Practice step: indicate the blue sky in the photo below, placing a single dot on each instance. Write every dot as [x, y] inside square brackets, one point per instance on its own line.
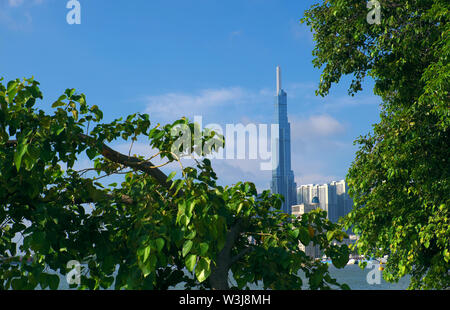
[179, 58]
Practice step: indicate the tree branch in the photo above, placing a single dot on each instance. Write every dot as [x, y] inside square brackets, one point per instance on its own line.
[132, 162]
[125, 199]
[219, 274]
[231, 239]
[114, 156]
[237, 257]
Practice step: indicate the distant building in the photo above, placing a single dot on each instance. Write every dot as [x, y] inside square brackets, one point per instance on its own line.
[333, 198]
[310, 249]
[282, 175]
[298, 210]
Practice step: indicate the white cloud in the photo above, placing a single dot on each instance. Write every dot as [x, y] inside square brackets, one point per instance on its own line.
[316, 126]
[182, 103]
[172, 106]
[14, 3]
[16, 14]
[236, 33]
[216, 102]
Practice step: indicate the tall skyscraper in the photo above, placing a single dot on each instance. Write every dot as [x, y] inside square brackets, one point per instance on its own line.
[282, 175]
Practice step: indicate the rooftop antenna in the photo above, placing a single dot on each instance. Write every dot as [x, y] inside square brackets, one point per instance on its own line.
[278, 79]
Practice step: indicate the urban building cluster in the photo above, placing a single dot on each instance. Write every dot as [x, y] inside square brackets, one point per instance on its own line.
[331, 197]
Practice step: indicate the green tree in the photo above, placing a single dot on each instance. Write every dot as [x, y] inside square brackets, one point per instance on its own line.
[400, 178]
[152, 231]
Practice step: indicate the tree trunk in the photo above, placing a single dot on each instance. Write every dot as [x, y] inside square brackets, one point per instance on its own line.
[218, 280]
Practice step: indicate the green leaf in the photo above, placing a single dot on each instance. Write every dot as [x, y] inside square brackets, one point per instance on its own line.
[339, 255]
[171, 176]
[239, 208]
[190, 209]
[58, 132]
[315, 279]
[53, 281]
[203, 269]
[58, 103]
[294, 233]
[43, 281]
[159, 244]
[153, 260]
[184, 220]
[11, 86]
[203, 248]
[146, 269]
[187, 247]
[190, 261]
[75, 114]
[146, 254]
[330, 235]
[12, 90]
[21, 150]
[19, 284]
[29, 160]
[305, 238]
[91, 153]
[69, 92]
[191, 235]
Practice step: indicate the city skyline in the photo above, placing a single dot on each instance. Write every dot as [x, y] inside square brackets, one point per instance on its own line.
[240, 145]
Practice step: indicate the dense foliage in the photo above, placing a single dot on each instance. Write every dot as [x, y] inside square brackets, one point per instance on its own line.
[400, 178]
[150, 232]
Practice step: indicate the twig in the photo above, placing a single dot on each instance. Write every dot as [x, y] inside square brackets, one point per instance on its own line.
[129, 151]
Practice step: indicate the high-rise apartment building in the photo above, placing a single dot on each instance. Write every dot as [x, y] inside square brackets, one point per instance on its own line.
[333, 198]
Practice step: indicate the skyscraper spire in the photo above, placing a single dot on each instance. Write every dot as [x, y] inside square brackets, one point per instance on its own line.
[278, 79]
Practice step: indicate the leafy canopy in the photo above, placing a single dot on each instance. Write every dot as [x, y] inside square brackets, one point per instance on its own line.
[400, 178]
[152, 231]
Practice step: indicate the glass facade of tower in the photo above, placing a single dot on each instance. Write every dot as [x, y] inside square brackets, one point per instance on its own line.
[282, 176]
